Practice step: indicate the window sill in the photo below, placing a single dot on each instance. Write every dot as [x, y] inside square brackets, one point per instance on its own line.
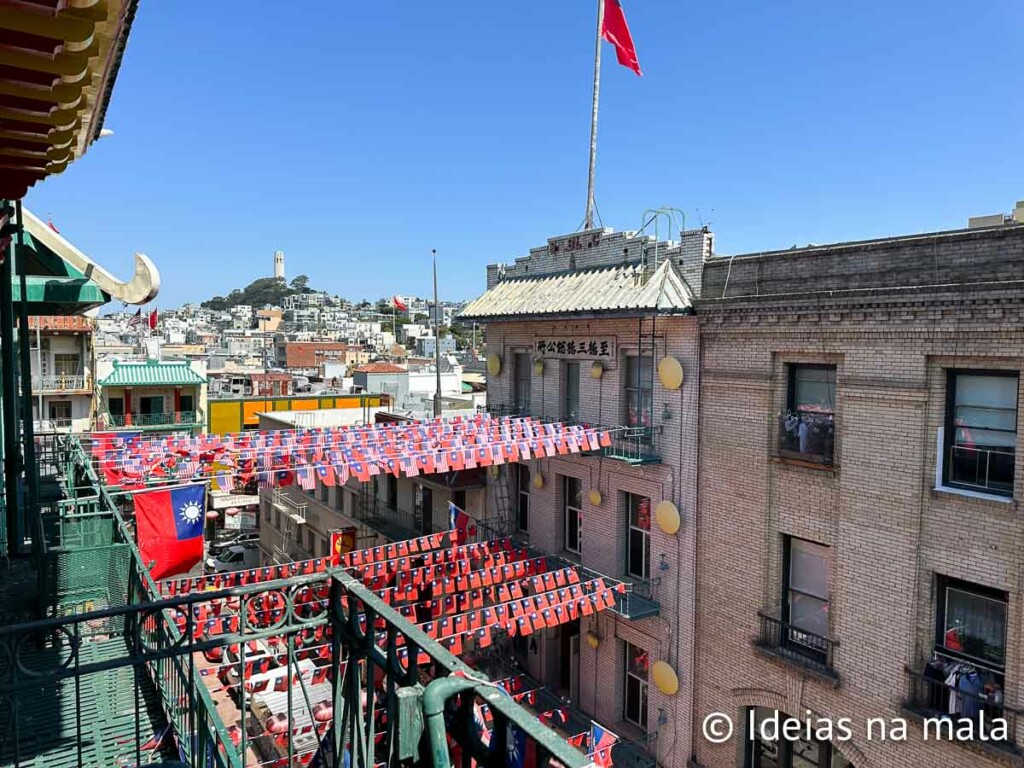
[813, 465]
[952, 491]
[575, 557]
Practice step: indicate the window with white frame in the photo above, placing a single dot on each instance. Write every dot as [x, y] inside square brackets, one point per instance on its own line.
[572, 513]
[638, 544]
[634, 703]
[981, 431]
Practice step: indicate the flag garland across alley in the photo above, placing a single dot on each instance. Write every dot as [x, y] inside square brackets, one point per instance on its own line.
[460, 593]
[332, 455]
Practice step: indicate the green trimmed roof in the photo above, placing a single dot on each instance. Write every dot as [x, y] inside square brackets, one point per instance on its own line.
[152, 373]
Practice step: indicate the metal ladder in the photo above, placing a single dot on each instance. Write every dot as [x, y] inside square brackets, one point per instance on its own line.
[502, 519]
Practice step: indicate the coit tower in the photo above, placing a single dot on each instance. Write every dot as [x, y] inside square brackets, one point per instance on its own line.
[279, 265]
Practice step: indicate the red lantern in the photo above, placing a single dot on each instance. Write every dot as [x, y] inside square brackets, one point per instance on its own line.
[277, 723]
[231, 511]
[323, 712]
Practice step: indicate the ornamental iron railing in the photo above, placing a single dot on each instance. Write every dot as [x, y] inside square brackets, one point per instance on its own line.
[123, 671]
[798, 645]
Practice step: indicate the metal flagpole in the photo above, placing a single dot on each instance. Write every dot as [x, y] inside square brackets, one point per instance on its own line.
[588, 221]
[437, 341]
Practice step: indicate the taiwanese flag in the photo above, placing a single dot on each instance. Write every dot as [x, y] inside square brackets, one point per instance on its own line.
[601, 742]
[169, 528]
[326, 474]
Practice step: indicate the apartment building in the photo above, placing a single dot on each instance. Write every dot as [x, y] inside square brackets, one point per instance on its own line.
[152, 395]
[61, 355]
[597, 327]
[296, 521]
[859, 538]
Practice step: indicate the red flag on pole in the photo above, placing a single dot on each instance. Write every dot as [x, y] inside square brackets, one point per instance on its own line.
[615, 30]
[169, 528]
[152, 320]
[399, 304]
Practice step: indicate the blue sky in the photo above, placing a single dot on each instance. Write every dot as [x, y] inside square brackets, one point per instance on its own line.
[359, 136]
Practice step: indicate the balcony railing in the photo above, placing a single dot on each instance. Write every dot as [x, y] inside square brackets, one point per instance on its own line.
[120, 661]
[60, 383]
[638, 601]
[52, 425]
[807, 436]
[989, 470]
[952, 713]
[790, 642]
[391, 522]
[176, 418]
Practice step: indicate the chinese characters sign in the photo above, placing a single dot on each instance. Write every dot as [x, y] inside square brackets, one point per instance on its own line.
[582, 347]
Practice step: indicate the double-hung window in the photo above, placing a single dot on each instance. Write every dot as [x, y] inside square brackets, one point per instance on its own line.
[634, 703]
[572, 513]
[971, 624]
[522, 497]
[571, 411]
[806, 598]
[981, 431]
[638, 546]
[639, 391]
[522, 371]
[807, 428]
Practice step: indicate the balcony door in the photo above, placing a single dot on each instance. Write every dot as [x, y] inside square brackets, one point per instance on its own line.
[152, 406]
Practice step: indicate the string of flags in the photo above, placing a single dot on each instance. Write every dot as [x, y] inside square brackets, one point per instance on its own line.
[454, 590]
[335, 454]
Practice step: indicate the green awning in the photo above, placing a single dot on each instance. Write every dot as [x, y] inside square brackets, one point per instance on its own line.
[152, 373]
[58, 295]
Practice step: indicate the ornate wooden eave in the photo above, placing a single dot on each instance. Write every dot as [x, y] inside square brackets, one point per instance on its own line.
[58, 63]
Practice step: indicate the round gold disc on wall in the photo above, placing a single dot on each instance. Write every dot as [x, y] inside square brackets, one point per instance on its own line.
[667, 515]
[670, 371]
[493, 365]
[665, 678]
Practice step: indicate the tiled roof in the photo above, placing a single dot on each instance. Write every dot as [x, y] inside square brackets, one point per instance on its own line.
[610, 289]
[380, 368]
[151, 373]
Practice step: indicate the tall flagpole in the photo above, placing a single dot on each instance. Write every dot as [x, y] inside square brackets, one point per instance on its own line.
[588, 221]
[437, 341]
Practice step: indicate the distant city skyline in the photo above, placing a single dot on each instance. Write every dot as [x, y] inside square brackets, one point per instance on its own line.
[465, 127]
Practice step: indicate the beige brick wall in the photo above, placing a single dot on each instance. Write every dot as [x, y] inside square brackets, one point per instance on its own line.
[890, 532]
[668, 636]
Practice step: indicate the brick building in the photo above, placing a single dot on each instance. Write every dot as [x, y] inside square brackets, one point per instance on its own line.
[310, 355]
[598, 328]
[859, 496]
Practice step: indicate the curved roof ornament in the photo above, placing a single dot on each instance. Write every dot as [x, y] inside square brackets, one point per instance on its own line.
[143, 286]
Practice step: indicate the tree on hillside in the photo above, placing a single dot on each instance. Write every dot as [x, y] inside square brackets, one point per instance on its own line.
[259, 293]
[300, 284]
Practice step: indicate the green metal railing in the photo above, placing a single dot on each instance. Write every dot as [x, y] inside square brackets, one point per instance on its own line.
[115, 662]
[175, 418]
